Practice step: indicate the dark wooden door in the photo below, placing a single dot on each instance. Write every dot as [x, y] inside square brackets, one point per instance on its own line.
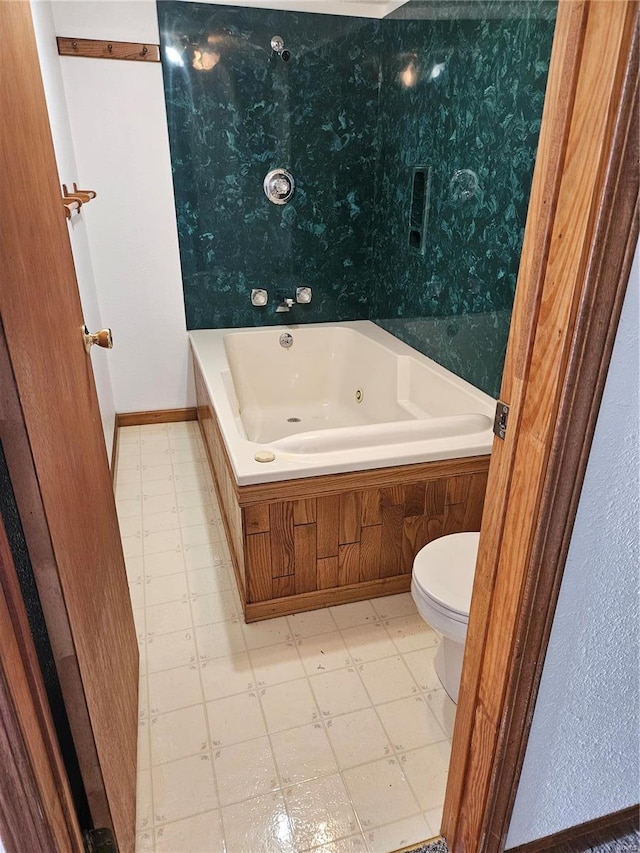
[85, 586]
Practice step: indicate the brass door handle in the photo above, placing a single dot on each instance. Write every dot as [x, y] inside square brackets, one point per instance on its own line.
[103, 338]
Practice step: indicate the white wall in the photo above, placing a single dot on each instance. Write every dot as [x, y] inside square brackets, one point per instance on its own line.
[68, 172]
[582, 760]
[119, 128]
[118, 124]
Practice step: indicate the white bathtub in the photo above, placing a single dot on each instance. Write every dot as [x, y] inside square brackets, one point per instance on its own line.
[343, 397]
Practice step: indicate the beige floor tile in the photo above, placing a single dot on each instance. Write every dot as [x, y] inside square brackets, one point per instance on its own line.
[311, 623]
[204, 556]
[162, 540]
[128, 435]
[303, 753]
[434, 819]
[197, 834]
[267, 633]
[155, 504]
[352, 844]
[358, 738]
[154, 522]
[169, 651]
[212, 579]
[214, 607]
[154, 455]
[390, 606]
[128, 508]
[151, 473]
[128, 491]
[164, 563]
[410, 723]
[145, 842]
[152, 488]
[261, 824]
[144, 801]
[350, 615]
[220, 639]
[276, 664]
[168, 617]
[132, 546]
[368, 642]
[226, 676]
[380, 792]
[245, 770]
[323, 653]
[129, 476]
[140, 623]
[196, 516]
[203, 534]
[160, 590]
[339, 692]
[183, 788]
[387, 679]
[178, 734]
[443, 709]
[235, 719]
[197, 498]
[288, 705]
[420, 665]
[136, 593]
[410, 633]
[143, 760]
[395, 836]
[426, 769]
[171, 689]
[131, 525]
[320, 811]
[191, 483]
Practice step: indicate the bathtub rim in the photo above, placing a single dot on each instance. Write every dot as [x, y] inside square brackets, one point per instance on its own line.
[209, 354]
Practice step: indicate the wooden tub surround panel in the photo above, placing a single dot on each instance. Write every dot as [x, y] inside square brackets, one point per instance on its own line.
[224, 481]
[301, 544]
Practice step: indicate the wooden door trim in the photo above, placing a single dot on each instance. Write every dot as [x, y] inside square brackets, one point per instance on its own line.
[36, 804]
[24, 480]
[581, 233]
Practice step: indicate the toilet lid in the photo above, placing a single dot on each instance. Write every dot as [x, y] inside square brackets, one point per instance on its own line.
[444, 569]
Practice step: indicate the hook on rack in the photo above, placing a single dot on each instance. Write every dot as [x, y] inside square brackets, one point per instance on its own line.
[73, 201]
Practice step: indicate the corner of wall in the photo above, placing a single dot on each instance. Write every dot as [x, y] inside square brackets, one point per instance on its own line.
[43, 22]
[582, 760]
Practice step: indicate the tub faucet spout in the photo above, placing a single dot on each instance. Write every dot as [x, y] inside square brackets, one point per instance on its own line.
[285, 304]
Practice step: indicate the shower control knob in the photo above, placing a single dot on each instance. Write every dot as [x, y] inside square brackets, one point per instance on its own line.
[303, 295]
[278, 186]
[259, 298]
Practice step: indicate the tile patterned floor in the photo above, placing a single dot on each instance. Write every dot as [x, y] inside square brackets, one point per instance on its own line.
[325, 731]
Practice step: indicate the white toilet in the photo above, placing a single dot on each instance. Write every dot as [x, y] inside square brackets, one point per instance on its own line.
[441, 585]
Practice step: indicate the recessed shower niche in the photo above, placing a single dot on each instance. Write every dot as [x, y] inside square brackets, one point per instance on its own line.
[411, 139]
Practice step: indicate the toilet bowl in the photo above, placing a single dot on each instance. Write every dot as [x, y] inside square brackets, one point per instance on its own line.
[441, 585]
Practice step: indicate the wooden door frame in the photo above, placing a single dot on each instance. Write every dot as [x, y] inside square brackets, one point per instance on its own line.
[582, 229]
[571, 285]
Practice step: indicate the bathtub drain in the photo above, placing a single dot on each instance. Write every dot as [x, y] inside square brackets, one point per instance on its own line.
[293, 420]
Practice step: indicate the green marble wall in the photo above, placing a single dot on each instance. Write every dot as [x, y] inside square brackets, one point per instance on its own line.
[464, 97]
[351, 115]
[316, 116]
